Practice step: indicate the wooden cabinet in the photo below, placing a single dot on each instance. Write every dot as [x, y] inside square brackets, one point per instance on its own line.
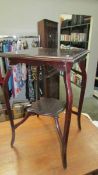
[48, 32]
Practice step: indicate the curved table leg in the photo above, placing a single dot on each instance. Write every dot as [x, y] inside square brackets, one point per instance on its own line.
[58, 127]
[22, 121]
[69, 100]
[10, 113]
[83, 86]
[6, 95]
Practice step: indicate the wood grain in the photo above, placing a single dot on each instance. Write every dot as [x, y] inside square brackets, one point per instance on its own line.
[37, 149]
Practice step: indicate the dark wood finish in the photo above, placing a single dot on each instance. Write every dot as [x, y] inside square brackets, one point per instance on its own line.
[7, 98]
[52, 86]
[83, 84]
[46, 106]
[62, 60]
[48, 31]
[69, 101]
[47, 56]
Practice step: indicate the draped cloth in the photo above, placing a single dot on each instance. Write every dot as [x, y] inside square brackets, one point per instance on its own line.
[19, 78]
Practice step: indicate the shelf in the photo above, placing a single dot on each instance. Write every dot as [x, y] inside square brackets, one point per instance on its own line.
[81, 42]
[74, 37]
[74, 44]
[16, 42]
[74, 26]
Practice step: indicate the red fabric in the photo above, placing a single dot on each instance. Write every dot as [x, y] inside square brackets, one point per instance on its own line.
[1, 79]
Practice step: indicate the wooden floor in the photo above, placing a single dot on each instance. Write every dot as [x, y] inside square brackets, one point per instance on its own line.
[37, 150]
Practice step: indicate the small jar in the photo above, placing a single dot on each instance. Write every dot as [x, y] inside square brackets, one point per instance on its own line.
[18, 110]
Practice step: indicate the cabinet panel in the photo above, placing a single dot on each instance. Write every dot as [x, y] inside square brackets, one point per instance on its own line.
[52, 86]
[48, 31]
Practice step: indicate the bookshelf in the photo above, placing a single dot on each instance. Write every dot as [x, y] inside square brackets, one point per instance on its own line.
[74, 32]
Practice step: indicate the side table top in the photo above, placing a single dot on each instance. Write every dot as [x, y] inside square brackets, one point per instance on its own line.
[47, 55]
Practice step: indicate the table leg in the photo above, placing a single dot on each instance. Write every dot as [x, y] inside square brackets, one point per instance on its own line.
[58, 128]
[83, 86]
[7, 98]
[69, 100]
[9, 111]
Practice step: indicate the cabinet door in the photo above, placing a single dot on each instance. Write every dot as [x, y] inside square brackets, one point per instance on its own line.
[42, 33]
[51, 34]
[51, 37]
[48, 31]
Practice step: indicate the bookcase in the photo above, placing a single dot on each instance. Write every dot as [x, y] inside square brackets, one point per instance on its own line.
[74, 32]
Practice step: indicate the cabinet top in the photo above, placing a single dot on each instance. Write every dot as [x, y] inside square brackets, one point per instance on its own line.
[46, 55]
[47, 20]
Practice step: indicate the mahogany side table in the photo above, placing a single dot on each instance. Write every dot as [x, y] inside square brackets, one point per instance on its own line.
[62, 60]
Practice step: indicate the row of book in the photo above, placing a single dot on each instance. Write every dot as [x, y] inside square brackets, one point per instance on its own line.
[76, 20]
[75, 37]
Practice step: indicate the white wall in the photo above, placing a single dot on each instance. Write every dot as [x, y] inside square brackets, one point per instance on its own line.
[18, 16]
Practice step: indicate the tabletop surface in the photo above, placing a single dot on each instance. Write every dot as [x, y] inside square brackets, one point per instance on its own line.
[47, 54]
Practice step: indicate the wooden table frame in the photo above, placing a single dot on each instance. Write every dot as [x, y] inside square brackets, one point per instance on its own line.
[62, 60]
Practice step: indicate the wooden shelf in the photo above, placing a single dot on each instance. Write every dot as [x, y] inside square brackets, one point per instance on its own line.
[80, 42]
[75, 26]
